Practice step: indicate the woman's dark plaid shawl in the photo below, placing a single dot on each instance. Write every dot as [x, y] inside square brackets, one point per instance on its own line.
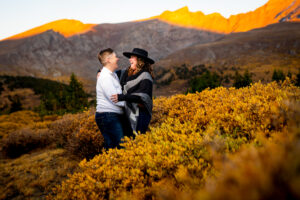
[132, 109]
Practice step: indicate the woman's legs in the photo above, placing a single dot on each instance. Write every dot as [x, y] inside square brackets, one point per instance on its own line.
[143, 121]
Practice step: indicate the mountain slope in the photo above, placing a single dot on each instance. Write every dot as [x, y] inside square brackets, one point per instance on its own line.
[59, 51]
[259, 50]
[272, 12]
[52, 54]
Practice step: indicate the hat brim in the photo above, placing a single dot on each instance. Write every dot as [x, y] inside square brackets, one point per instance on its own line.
[128, 54]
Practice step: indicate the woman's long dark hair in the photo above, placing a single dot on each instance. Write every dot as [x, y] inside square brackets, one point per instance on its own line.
[141, 65]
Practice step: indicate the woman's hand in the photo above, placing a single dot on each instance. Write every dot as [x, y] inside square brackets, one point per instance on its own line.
[114, 98]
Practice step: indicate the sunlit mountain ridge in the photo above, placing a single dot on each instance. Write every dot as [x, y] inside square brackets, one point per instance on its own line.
[66, 27]
[273, 11]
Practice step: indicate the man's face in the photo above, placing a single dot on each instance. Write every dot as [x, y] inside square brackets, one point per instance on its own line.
[113, 60]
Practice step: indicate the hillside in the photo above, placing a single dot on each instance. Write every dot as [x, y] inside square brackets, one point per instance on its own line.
[273, 11]
[57, 49]
[232, 143]
[260, 51]
[50, 54]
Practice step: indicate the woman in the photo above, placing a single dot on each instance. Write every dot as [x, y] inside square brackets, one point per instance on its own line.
[137, 85]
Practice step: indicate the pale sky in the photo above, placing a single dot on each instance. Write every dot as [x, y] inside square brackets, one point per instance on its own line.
[17, 16]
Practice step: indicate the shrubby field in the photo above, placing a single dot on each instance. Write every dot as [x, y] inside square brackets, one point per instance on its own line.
[217, 144]
[221, 143]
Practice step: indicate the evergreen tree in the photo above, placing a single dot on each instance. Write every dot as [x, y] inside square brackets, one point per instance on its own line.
[242, 81]
[247, 78]
[206, 80]
[77, 98]
[278, 75]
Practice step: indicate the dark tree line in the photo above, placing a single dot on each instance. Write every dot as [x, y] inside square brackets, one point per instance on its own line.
[213, 80]
[56, 98]
[67, 98]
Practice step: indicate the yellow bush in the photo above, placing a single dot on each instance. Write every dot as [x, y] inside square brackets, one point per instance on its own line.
[189, 132]
[16, 120]
[86, 140]
[63, 129]
[25, 140]
[21, 119]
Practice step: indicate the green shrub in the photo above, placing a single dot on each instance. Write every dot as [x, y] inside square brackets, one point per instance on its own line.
[242, 81]
[206, 80]
[278, 75]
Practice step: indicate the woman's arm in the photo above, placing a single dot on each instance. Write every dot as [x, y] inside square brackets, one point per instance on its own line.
[144, 87]
[130, 98]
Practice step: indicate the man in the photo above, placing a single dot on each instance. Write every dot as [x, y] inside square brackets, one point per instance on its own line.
[109, 114]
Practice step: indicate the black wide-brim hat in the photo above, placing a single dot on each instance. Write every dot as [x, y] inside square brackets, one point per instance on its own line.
[139, 53]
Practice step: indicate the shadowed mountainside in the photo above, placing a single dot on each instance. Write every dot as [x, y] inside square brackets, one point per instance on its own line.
[52, 54]
[260, 51]
[237, 49]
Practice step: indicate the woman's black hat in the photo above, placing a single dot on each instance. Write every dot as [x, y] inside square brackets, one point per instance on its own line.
[139, 53]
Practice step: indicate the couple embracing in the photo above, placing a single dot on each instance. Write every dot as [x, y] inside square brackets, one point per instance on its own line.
[124, 97]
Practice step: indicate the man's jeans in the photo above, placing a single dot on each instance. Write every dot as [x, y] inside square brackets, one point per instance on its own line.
[110, 125]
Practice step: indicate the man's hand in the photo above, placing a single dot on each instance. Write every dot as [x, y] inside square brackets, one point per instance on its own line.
[114, 98]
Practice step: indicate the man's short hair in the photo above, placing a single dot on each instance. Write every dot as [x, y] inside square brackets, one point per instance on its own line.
[102, 55]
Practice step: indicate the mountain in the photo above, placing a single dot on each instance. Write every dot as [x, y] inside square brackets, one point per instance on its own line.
[276, 46]
[273, 11]
[57, 49]
[245, 48]
[52, 54]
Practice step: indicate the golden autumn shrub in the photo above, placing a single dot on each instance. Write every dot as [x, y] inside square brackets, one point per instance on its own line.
[24, 140]
[17, 120]
[25, 131]
[24, 119]
[78, 133]
[189, 134]
[86, 140]
[62, 129]
[268, 172]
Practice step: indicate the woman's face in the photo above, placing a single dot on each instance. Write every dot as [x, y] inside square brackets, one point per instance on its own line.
[133, 62]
